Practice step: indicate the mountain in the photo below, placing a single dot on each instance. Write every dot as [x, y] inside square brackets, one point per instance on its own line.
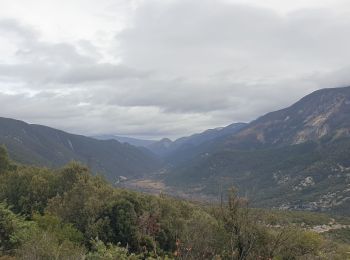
[294, 158]
[166, 148]
[297, 157]
[41, 145]
[322, 113]
[124, 139]
[161, 147]
[186, 145]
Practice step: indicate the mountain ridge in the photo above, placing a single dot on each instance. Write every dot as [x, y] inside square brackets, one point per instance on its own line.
[125, 139]
[166, 148]
[46, 146]
[294, 158]
[297, 157]
[318, 114]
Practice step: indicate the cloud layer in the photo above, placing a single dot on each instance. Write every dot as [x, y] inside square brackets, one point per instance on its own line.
[170, 68]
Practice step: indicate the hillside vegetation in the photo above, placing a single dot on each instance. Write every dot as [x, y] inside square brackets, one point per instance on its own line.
[69, 214]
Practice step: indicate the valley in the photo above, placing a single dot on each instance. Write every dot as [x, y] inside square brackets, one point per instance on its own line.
[283, 180]
[174, 130]
[293, 159]
[267, 160]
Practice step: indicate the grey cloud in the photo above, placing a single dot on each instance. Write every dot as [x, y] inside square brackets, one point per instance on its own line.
[185, 66]
[72, 113]
[237, 61]
[43, 63]
[12, 26]
[45, 73]
[32, 49]
[100, 72]
[170, 96]
[201, 36]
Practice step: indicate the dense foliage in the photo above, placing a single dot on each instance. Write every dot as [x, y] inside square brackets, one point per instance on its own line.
[70, 214]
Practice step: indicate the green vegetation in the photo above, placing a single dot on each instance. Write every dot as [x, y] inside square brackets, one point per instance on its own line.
[273, 177]
[341, 235]
[70, 214]
[4, 161]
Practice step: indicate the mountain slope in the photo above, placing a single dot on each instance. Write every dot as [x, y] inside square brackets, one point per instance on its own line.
[189, 145]
[123, 139]
[298, 157]
[41, 145]
[322, 113]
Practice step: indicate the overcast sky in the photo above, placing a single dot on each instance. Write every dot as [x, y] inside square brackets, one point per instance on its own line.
[166, 68]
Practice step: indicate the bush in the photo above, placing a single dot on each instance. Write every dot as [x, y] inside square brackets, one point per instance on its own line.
[14, 230]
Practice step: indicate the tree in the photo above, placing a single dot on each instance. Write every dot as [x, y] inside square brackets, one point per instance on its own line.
[241, 227]
[71, 174]
[52, 239]
[109, 252]
[45, 245]
[202, 238]
[4, 159]
[122, 224]
[13, 230]
[82, 204]
[27, 189]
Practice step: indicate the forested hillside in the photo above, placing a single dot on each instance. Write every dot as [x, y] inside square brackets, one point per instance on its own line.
[69, 214]
[45, 146]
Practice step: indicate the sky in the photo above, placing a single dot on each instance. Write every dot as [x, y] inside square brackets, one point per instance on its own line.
[166, 68]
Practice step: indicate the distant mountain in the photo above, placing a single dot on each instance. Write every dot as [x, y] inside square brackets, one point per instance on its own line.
[166, 148]
[125, 139]
[208, 135]
[186, 145]
[41, 145]
[161, 147]
[298, 157]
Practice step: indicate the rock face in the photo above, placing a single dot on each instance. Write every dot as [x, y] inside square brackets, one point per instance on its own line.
[297, 157]
[322, 113]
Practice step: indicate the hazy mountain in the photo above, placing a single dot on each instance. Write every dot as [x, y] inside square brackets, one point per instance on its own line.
[41, 145]
[189, 144]
[167, 148]
[161, 147]
[125, 139]
[210, 134]
[298, 157]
